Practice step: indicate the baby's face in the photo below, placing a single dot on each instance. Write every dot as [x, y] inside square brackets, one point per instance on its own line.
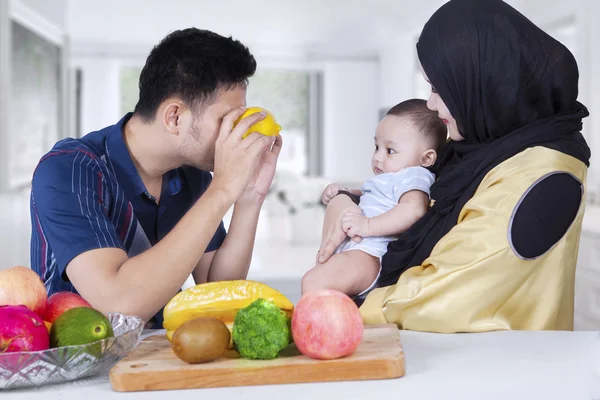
[398, 145]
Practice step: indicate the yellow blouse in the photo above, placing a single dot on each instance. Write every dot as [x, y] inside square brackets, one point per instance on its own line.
[473, 281]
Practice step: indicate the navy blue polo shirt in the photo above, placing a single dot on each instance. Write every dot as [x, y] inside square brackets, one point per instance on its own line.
[87, 194]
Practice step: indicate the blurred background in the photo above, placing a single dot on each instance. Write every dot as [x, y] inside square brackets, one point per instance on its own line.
[327, 69]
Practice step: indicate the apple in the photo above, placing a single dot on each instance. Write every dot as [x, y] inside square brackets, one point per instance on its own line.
[22, 286]
[326, 325]
[60, 302]
[22, 330]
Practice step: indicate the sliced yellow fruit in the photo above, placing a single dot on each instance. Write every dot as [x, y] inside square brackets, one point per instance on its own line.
[221, 300]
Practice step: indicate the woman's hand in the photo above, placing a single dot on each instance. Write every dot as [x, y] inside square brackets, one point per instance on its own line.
[355, 224]
[330, 192]
[333, 235]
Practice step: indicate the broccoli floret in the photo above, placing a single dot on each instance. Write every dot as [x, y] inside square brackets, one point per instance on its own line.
[261, 330]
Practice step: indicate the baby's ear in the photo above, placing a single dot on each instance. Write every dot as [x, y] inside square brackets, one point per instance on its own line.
[428, 158]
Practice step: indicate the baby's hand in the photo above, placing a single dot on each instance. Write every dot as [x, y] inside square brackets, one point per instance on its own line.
[330, 192]
[355, 225]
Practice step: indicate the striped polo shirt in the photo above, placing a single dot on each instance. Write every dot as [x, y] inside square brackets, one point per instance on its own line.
[87, 194]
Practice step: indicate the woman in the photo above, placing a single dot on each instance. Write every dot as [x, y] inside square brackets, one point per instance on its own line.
[498, 248]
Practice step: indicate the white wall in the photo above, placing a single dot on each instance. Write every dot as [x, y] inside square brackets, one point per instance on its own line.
[312, 26]
[397, 62]
[54, 11]
[351, 98]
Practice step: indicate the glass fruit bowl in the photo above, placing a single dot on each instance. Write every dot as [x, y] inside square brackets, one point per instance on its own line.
[64, 364]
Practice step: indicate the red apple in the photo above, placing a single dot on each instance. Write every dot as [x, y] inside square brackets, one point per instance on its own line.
[326, 325]
[22, 330]
[60, 302]
[22, 286]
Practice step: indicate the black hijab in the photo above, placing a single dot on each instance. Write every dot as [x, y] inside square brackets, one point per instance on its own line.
[509, 86]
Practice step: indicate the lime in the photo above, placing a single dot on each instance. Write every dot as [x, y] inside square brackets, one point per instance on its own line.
[80, 325]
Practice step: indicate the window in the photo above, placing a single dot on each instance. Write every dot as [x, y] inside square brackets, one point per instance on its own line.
[285, 93]
[128, 87]
[36, 85]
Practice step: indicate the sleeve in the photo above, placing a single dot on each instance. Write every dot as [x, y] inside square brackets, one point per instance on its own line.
[475, 280]
[541, 217]
[70, 208]
[354, 197]
[217, 239]
[413, 178]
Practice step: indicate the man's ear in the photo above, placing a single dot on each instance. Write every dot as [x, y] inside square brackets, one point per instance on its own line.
[428, 158]
[171, 116]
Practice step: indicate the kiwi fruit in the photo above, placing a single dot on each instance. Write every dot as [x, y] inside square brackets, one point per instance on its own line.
[200, 340]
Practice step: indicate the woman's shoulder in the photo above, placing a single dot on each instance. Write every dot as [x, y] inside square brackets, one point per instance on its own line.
[533, 164]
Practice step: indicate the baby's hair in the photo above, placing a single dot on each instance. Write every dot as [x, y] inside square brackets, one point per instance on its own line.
[426, 121]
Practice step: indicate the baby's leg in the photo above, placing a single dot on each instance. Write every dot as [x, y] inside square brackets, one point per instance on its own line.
[350, 272]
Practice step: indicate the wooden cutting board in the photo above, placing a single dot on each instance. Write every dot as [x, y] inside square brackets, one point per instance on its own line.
[153, 366]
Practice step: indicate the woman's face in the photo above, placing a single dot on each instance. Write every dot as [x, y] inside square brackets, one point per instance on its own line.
[435, 103]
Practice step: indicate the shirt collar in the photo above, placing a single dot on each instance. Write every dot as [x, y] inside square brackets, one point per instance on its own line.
[125, 171]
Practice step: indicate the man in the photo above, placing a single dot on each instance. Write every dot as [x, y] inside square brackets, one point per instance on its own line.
[124, 215]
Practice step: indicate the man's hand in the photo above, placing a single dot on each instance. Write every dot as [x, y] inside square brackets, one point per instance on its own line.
[261, 182]
[238, 161]
[355, 224]
[330, 192]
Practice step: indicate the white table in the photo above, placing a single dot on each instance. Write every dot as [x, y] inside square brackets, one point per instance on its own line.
[496, 365]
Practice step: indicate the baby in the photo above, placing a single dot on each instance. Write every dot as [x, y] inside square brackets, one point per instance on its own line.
[407, 140]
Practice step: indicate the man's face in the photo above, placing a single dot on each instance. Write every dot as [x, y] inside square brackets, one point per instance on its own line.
[198, 140]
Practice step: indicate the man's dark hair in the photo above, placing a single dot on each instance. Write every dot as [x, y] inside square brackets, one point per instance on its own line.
[192, 64]
[426, 121]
